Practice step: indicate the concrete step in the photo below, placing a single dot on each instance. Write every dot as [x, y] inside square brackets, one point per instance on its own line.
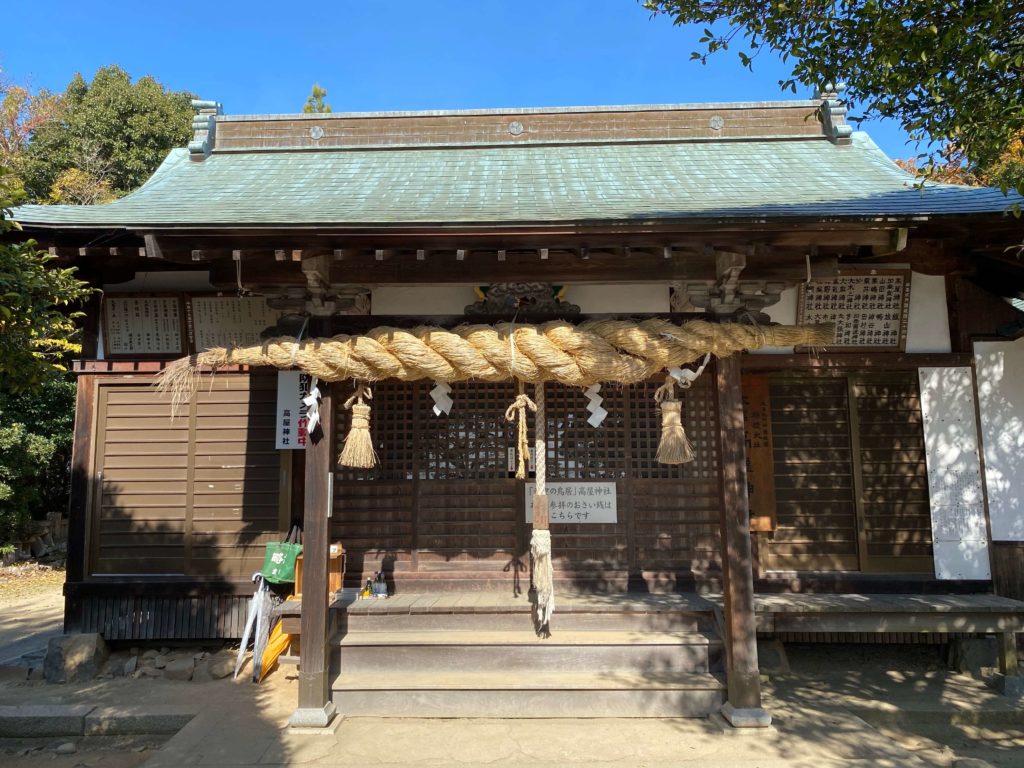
[513, 650]
[524, 694]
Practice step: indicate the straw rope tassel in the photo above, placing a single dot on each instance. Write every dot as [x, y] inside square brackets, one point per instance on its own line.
[674, 447]
[517, 410]
[540, 539]
[358, 451]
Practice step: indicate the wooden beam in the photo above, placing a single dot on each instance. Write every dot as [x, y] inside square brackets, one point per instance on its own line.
[315, 708]
[742, 676]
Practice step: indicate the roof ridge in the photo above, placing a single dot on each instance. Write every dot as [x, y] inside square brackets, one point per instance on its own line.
[583, 109]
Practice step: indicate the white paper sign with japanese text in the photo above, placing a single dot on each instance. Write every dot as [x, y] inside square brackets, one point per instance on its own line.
[292, 431]
[582, 502]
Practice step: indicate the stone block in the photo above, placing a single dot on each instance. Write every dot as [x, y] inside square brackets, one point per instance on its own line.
[1011, 686]
[13, 674]
[972, 655]
[165, 719]
[746, 718]
[71, 658]
[771, 657]
[180, 669]
[28, 721]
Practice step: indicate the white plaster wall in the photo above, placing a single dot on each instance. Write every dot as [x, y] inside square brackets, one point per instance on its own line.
[158, 282]
[783, 312]
[421, 299]
[928, 327]
[619, 298]
[1000, 372]
[453, 299]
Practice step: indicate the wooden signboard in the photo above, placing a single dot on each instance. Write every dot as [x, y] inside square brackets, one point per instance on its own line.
[870, 307]
[757, 426]
[143, 326]
[223, 321]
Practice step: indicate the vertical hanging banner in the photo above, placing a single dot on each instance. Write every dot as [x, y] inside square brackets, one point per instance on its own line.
[959, 532]
[293, 396]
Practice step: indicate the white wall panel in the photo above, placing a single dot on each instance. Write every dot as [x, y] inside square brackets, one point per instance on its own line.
[959, 532]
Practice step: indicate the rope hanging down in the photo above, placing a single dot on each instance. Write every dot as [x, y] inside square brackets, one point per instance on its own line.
[621, 351]
[517, 410]
[540, 538]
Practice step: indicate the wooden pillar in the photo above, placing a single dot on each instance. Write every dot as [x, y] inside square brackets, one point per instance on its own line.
[79, 508]
[743, 708]
[315, 709]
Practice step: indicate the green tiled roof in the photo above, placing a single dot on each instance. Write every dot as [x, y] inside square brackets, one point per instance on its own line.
[602, 182]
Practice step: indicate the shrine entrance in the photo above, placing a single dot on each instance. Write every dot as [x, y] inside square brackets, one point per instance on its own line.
[844, 473]
[442, 510]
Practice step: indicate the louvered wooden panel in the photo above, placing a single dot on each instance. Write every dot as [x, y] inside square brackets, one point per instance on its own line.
[197, 495]
[135, 617]
[140, 508]
[894, 482]
[816, 515]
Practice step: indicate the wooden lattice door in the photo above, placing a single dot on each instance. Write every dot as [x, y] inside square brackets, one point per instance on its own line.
[443, 509]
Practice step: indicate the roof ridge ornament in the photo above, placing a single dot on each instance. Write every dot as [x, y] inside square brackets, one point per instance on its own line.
[832, 114]
[204, 125]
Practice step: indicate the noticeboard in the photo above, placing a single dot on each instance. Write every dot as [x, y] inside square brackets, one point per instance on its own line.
[870, 307]
[143, 326]
[224, 321]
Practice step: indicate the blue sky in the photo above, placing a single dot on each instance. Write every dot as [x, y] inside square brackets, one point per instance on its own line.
[261, 57]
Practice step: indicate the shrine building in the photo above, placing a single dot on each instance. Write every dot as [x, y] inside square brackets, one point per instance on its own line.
[509, 317]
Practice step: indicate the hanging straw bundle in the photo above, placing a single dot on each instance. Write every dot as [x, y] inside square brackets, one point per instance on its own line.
[674, 447]
[358, 451]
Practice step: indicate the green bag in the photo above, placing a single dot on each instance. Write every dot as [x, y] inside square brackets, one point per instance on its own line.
[279, 559]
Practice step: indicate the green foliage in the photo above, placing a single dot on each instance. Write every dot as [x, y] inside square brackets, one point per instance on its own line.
[23, 459]
[949, 72]
[315, 104]
[37, 322]
[35, 453]
[111, 130]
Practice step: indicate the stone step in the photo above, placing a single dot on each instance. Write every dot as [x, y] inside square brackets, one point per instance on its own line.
[511, 694]
[513, 650]
[667, 621]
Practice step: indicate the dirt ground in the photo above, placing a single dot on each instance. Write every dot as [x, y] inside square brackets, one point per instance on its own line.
[876, 683]
[18, 582]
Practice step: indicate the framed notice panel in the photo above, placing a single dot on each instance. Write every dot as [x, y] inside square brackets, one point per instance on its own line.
[582, 502]
[870, 308]
[224, 321]
[143, 326]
